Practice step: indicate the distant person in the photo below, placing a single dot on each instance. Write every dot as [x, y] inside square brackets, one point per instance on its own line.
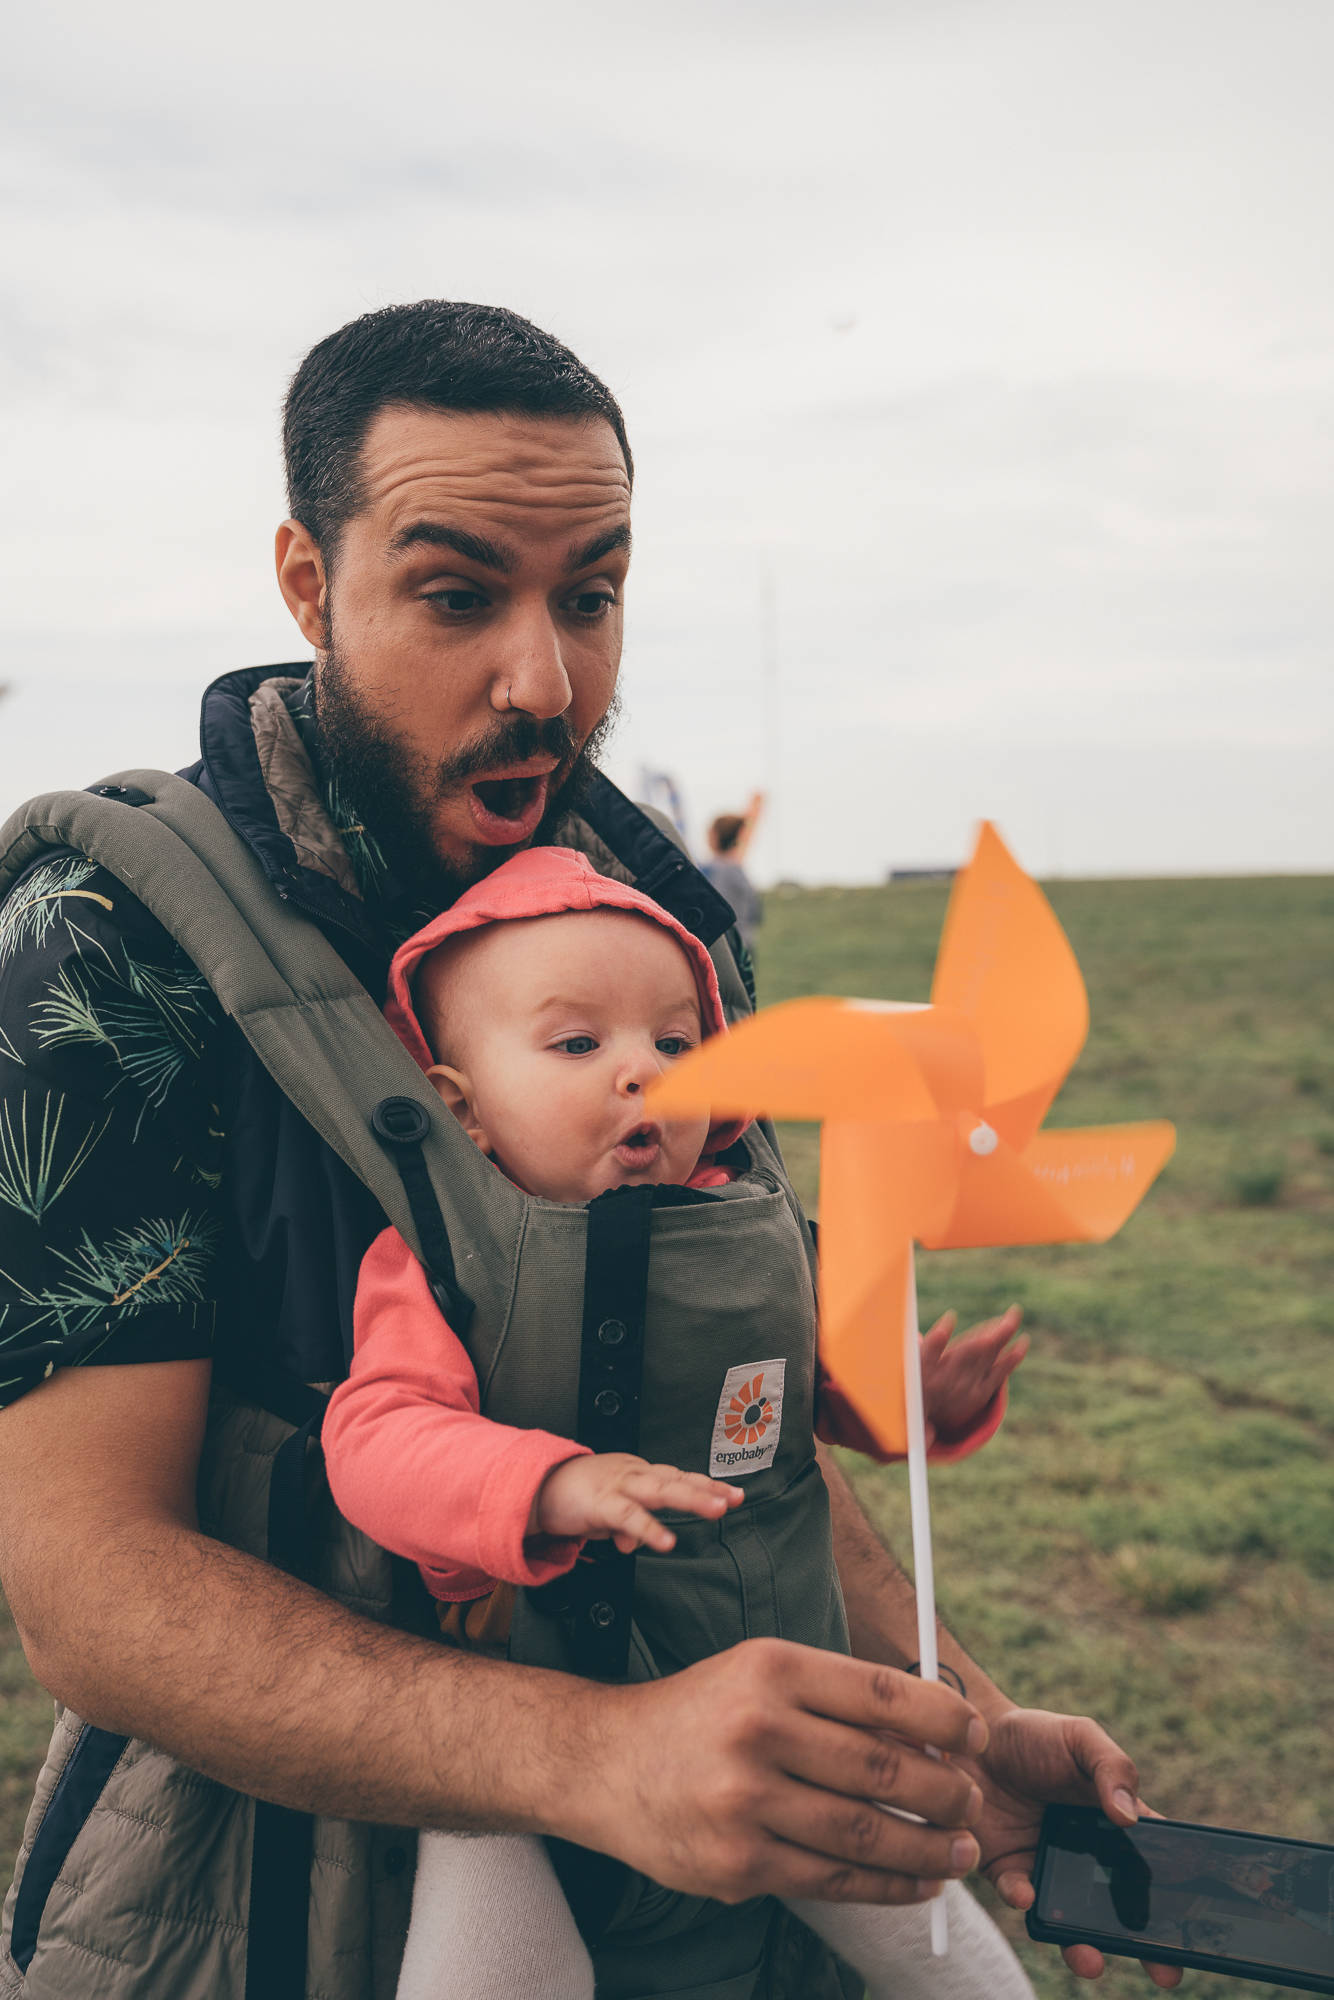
[729, 838]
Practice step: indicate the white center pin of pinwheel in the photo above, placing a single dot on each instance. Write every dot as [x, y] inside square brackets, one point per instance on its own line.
[982, 1140]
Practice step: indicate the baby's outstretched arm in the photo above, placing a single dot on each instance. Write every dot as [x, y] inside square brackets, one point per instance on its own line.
[612, 1493]
[960, 1377]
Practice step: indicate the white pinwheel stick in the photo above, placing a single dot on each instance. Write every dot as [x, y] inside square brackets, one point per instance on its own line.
[923, 1566]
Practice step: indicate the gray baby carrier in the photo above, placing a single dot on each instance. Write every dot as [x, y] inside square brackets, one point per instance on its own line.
[674, 1322]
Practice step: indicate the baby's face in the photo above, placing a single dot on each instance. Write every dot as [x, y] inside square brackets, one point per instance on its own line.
[556, 1027]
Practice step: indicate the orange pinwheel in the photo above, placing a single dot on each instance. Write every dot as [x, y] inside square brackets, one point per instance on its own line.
[930, 1121]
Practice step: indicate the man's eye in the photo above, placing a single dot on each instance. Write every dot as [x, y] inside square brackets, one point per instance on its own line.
[674, 1045]
[592, 604]
[459, 601]
[578, 1045]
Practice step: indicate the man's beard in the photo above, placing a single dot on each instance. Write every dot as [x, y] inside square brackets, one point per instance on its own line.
[395, 790]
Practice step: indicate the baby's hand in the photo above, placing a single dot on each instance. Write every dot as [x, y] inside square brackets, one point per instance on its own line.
[959, 1379]
[611, 1493]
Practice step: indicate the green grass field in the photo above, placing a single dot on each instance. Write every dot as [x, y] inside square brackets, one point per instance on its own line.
[1151, 1537]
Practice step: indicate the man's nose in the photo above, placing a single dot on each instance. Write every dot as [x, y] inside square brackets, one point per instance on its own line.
[531, 674]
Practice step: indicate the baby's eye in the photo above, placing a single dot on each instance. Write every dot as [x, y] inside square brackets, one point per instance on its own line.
[578, 1045]
[674, 1045]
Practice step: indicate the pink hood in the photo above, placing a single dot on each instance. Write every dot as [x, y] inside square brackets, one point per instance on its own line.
[544, 882]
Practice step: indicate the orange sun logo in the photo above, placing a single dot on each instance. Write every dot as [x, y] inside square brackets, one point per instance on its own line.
[749, 1414]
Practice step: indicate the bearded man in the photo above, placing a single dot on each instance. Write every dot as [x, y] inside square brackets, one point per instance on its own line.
[238, 1751]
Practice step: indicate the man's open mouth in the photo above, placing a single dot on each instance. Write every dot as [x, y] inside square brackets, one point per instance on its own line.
[508, 807]
[507, 798]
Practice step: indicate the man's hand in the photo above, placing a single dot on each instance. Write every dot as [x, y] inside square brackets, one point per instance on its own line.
[960, 1377]
[1036, 1758]
[760, 1771]
[612, 1492]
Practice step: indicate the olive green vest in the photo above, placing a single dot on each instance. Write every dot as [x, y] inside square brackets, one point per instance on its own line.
[155, 1883]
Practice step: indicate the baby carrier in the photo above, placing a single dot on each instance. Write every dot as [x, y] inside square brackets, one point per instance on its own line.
[667, 1300]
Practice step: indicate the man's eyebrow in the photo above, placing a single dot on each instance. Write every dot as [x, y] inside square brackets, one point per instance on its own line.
[473, 548]
[583, 554]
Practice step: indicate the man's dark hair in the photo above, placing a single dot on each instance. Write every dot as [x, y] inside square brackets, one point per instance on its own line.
[435, 355]
[726, 831]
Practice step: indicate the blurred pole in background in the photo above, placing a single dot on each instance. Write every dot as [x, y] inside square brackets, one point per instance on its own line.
[660, 789]
[771, 699]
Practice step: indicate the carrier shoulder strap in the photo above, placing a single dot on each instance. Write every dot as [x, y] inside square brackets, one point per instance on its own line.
[309, 1019]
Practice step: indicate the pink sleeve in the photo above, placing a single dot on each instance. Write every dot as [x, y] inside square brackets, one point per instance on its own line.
[837, 1422]
[413, 1462]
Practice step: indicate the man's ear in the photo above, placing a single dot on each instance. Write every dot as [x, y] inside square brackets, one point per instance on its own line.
[302, 582]
[456, 1095]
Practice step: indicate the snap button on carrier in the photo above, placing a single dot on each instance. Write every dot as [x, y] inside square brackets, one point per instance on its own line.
[401, 1123]
[125, 795]
[400, 1120]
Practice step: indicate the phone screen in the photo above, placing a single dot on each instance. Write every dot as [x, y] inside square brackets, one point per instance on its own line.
[1192, 1888]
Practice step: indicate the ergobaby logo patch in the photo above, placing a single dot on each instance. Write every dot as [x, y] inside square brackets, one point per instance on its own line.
[749, 1419]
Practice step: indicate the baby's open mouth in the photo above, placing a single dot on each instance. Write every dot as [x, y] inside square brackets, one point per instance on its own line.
[640, 1147]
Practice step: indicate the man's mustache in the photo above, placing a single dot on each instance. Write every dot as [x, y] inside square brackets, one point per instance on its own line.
[512, 741]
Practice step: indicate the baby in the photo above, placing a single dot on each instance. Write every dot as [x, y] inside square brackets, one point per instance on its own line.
[541, 1006]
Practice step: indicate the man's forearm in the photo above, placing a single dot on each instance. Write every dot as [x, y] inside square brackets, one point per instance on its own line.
[881, 1602]
[272, 1688]
[144, 1625]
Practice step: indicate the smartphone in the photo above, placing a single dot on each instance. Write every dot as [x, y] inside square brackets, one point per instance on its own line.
[1206, 1896]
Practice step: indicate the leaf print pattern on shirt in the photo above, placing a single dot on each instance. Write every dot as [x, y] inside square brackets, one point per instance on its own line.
[109, 1072]
[41, 899]
[33, 1173]
[162, 1262]
[363, 849]
[151, 1020]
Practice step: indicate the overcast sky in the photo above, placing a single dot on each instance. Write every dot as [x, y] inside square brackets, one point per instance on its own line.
[978, 361]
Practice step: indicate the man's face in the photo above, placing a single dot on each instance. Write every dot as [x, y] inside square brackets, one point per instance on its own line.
[469, 636]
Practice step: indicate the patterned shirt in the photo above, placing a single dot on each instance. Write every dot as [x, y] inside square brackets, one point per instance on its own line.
[111, 1136]
[110, 1148]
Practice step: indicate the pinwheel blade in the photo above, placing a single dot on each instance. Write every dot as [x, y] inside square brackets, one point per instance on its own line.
[1066, 1187]
[1005, 962]
[865, 1248]
[818, 1058]
[1100, 1173]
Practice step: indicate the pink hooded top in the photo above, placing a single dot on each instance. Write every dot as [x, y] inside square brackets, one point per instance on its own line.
[410, 1458]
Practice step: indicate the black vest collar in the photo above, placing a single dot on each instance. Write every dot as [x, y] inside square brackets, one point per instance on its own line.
[230, 773]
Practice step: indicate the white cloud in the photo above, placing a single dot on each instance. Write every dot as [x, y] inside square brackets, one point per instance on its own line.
[999, 337]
